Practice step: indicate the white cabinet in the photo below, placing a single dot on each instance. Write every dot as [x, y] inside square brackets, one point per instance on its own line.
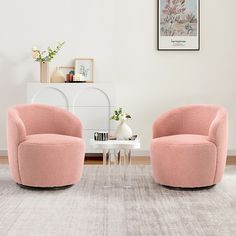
[92, 103]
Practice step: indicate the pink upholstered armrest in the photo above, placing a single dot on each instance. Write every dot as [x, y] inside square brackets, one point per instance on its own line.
[16, 128]
[16, 134]
[167, 124]
[218, 128]
[218, 134]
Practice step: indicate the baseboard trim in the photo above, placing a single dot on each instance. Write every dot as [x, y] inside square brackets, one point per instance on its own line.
[231, 152]
[3, 152]
[139, 152]
[144, 152]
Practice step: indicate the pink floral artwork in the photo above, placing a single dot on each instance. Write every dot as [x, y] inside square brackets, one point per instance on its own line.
[178, 18]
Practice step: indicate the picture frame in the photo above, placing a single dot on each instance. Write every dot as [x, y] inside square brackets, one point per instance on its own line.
[178, 25]
[66, 69]
[84, 69]
[68, 72]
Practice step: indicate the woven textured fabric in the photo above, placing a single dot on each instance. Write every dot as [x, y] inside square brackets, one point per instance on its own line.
[145, 209]
[45, 146]
[189, 146]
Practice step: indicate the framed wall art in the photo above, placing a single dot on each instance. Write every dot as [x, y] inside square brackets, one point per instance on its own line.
[178, 25]
[84, 69]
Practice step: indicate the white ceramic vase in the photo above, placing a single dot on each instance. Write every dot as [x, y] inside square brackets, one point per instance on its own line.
[123, 131]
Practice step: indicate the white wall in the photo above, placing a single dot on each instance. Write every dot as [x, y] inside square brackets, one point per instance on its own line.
[121, 36]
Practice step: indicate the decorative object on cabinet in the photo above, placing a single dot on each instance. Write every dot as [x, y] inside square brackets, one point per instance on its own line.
[93, 103]
[44, 57]
[123, 131]
[44, 72]
[68, 72]
[69, 78]
[84, 69]
[57, 76]
[178, 25]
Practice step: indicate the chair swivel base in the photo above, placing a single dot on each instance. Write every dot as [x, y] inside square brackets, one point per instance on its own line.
[188, 188]
[45, 188]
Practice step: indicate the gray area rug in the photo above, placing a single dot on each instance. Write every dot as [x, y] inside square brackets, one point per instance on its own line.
[144, 209]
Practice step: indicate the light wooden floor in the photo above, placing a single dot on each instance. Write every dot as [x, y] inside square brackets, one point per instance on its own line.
[135, 160]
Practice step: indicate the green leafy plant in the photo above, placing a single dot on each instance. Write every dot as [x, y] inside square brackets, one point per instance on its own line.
[119, 115]
[83, 71]
[46, 56]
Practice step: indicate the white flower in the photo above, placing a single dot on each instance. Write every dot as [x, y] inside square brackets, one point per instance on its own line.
[123, 117]
[34, 49]
[35, 54]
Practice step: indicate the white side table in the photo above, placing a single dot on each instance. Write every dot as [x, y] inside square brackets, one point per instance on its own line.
[117, 146]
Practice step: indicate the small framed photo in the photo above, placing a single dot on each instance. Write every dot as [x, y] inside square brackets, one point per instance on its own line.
[68, 73]
[67, 70]
[84, 69]
[178, 25]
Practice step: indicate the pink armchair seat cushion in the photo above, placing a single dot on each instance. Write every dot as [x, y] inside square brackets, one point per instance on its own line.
[45, 146]
[189, 146]
[184, 157]
[183, 139]
[58, 159]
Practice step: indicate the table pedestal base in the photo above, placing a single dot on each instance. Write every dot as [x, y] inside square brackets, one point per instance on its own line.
[110, 160]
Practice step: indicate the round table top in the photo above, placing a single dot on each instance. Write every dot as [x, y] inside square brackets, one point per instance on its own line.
[115, 144]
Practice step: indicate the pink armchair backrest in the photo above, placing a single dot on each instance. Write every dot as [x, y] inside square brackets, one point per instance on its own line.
[26, 120]
[43, 119]
[193, 119]
[208, 120]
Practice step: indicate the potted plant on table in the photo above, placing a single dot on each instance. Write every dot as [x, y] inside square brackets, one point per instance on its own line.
[123, 131]
[44, 57]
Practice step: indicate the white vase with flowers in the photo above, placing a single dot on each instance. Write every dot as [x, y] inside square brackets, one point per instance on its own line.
[123, 131]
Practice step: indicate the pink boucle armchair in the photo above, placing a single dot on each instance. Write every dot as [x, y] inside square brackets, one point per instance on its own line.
[45, 146]
[189, 146]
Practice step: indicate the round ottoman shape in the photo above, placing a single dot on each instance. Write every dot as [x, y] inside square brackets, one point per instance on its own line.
[50, 160]
[186, 161]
